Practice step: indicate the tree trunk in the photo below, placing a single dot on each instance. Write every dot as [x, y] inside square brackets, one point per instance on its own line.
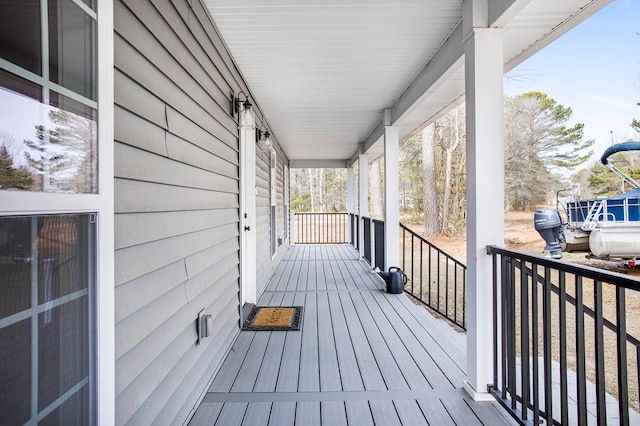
[377, 200]
[312, 195]
[321, 190]
[447, 181]
[431, 226]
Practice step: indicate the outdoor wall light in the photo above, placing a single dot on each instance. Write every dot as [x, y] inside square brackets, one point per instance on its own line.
[238, 102]
[265, 143]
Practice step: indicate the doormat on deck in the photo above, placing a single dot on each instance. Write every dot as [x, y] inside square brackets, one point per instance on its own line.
[274, 318]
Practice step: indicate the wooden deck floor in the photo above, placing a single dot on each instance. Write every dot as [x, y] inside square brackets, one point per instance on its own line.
[363, 357]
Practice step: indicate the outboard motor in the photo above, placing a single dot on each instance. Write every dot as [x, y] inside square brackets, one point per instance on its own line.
[549, 226]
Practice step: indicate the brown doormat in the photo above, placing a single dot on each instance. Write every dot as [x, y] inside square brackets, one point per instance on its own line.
[268, 318]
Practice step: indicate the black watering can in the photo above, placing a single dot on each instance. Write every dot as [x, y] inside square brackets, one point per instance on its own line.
[395, 279]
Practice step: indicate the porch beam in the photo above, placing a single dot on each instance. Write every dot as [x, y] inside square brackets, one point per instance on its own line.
[318, 164]
[363, 197]
[391, 194]
[485, 185]
[438, 69]
[450, 58]
[500, 13]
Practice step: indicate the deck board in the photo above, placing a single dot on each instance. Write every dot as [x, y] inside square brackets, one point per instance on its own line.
[349, 369]
[333, 413]
[256, 413]
[307, 413]
[363, 357]
[290, 364]
[328, 359]
[359, 413]
[309, 380]
[370, 373]
[435, 412]
[384, 413]
[282, 413]
[410, 413]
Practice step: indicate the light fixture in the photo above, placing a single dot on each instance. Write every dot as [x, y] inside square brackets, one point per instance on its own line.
[263, 137]
[237, 103]
[261, 131]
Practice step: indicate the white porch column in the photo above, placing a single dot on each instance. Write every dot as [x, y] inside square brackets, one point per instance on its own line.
[485, 186]
[351, 199]
[363, 197]
[391, 194]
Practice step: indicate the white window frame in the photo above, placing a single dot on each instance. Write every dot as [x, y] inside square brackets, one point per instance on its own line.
[273, 202]
[38, 203]
[285, 201]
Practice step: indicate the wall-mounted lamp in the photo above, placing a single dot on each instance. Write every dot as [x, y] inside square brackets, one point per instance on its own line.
[238, 103]
[265, 143]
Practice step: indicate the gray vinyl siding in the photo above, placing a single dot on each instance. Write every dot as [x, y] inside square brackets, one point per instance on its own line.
[177, 207]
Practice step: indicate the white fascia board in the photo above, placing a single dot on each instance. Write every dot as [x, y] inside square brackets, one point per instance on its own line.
[559, 30]
[447, 58]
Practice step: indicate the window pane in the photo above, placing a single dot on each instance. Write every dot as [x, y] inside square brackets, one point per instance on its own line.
[73, 412]
[72, 156]
[71, 48]
[56, 255]
[63, 356]
[13, 83]
[15, 373]
[46, 148]
[62, 254]
[15, 265]
[20, 34]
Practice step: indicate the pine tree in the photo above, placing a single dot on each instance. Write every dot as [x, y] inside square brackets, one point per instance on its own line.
[65, 154]
[13, 177]
[538, 143]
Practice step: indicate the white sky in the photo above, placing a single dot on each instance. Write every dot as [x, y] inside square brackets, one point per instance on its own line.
[595, 70]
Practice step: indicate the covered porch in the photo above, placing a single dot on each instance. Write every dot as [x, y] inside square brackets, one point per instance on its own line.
[362, 356]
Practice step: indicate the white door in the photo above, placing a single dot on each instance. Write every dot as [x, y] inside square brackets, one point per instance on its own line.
[247, 209]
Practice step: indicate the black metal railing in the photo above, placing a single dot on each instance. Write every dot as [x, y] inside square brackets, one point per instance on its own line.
[366, 241]
[378, 244]
[354, 230]
[563, 343]
[322, 228]
[435, 278]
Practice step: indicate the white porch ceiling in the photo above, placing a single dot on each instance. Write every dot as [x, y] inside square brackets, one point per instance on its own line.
[323, 71]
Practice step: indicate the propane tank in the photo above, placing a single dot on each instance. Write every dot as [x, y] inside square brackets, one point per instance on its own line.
[549, 226]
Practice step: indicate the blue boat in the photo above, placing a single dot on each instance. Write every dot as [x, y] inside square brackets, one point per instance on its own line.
[609, 228]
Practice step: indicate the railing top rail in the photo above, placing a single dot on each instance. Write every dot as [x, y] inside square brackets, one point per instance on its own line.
[583, 270]
[439, 250]
[327, 213]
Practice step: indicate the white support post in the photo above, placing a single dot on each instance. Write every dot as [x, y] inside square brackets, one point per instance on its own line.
[363, 196]
[391, 197]
[485, 187]
[351, 199]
